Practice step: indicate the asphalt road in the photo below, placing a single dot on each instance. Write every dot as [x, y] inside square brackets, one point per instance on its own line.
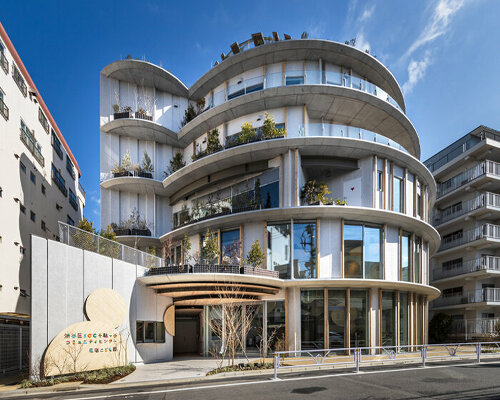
[461, 382]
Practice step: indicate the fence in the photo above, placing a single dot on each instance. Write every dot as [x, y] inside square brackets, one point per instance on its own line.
[212, 269]
[484, 263]
[14, 347]
[474, 328]
[76, 237]
[356, 357]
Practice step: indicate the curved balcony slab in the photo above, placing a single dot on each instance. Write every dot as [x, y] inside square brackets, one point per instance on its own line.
[197, 172]
[134, 184]
[345, 106]
[298, 50]
[141, 129]
[143, 73]
[139, 241]
[365, 214]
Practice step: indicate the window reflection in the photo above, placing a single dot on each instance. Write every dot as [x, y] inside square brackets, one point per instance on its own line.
[312, 319]
[359, 318]
[403, 319]
[388, 318]
[230, 247]
[278, 249]
[336, 318]
[398, 195]
[363, 253]
[405, 257]
[304, 250]
[353, 249]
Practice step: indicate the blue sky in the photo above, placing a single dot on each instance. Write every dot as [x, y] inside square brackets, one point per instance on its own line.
[444, 53]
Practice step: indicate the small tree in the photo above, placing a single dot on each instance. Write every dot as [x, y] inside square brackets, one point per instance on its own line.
[213, 143]
[440, 327]
[108, 233]
[189, 114]
[255, 256]
[247, 133]
[186, 249]
[316, 192]
[147, 165]
[269, 129]
[176, 163]
[125, 164]
[86, 225]
[210, 247]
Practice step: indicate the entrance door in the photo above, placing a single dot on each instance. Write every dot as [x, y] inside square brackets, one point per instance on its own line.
[187, 334]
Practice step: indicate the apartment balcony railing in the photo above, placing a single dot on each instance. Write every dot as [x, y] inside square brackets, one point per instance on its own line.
[483, 200]
[485, 231]
[490, 295]
[484, 167]
[484, 263]
[32, 145]
[80, 188]
[470, 328]
[4, 63]
[212, 269]
[18, 78]
[4, 110]
[73, 201]
[60, 183]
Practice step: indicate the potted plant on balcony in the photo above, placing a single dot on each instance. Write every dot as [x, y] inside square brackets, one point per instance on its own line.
[124, 112]
[255, 256]
[146, 169]
[269, 130]
[124, 168]
[339, 202]
[315, 193]
[213, 143]
[186, 249]
[119, 230]
[176, 164]
[189, 115]
[142, 114]
[247, 133]
[210, 248]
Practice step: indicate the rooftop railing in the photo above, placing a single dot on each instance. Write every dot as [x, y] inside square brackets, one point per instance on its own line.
[490, 295]
[484, 263]
[483, 200]
[485, 231]
[32, 145]
[484, 167]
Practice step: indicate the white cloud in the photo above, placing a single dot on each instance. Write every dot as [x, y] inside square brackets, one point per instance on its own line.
[438, 24]
[95, 199]
[367, 13]
[416, 71]
[362, 43]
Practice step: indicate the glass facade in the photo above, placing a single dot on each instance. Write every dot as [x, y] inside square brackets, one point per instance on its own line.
[312, 319]
[363, 252]
[405, 257]
[304, 250]
[275, 326]
[278, 249]
[419, 311]
[416, 262]
[230, 247]
[253, 340]
[398, 195]
[404, 320]
[358, 308]
[389, 319]
[336, 318]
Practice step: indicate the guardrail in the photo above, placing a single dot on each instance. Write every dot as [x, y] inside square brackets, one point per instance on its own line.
[212, 269]
[356, 357]
[484, 263]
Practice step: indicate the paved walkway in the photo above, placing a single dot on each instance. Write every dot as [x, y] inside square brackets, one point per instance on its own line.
[181, 367]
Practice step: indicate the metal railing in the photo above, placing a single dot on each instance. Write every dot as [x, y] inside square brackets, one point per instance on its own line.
[81, 239]
[484, 167]
[485, 231]
[4, 62]
[4, 110]
[18, 78]
[358, 356]
[474, 328]
[484, 263]
[483, 200]
[14, 347]
[212, 269]
[32, 145]
[80, 188]
[485, 295]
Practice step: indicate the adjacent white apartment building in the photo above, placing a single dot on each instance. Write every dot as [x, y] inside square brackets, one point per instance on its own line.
[247, 153]
[39, 186]
[467, 215]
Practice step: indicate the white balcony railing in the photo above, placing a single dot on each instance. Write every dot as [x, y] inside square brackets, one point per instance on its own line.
[483, 200]
[485, 231]
[469, 328]
[490, 295]
[484, 167]
[484, 263]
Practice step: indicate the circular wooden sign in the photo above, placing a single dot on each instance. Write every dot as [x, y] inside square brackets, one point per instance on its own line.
[106, 305]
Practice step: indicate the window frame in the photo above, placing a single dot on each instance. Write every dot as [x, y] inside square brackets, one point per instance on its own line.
[140, 328]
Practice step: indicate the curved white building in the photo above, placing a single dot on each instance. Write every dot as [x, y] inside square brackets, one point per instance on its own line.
[350, 274]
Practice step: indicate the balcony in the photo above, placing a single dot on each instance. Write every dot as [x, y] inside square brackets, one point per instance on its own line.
[483, 232]
[487, 295]
[4, 63]
[212, 269]
[70, 168]
[33, 146]
[482, 264]
[59, 181]
[472, 206]
[18, 78]
[4, 110]
[72, 200]
[43, 120]
[464, 178]
[474, 328]
[82, 191]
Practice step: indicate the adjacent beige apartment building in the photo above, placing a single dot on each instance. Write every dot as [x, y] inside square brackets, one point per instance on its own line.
[39, 186]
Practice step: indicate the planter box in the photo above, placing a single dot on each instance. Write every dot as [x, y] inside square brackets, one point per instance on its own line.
[140, 232]
[122, 231]
[123, 114]
[139, 115]
[148, 175]
[121, 174]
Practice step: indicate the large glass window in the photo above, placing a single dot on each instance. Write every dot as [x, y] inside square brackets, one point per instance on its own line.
[363, 252]
[312, 319]
[405, 257]
[278, 249]
[203, 242]
[304, 250]
[403, 319]
[270, 195]
[419, 319]
[389, 318]
[416, 262]
[253, 339]
[398, 195]
[276, 326]
[359, 318]
[230, 247]
[336, 318]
